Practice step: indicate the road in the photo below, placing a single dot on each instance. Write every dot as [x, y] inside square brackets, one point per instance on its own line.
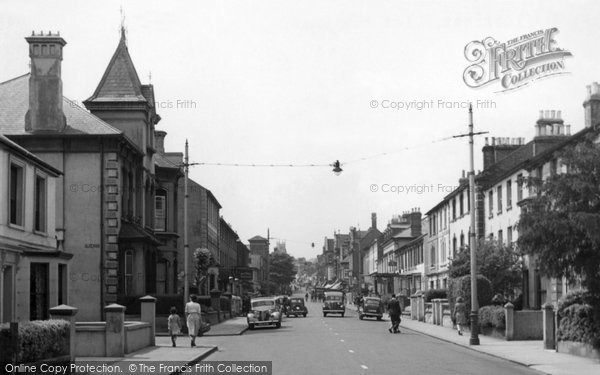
[336, 345]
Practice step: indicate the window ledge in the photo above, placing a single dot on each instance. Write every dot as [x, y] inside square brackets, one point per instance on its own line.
[16, 226]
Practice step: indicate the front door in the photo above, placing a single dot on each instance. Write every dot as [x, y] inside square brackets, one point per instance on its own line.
[38, 291]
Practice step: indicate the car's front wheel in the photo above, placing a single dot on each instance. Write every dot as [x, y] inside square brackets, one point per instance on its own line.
[251, 326]
[278, 325]
[324, 314]
[378, 318]
[304, 315]
[342, 315]
[360, 316]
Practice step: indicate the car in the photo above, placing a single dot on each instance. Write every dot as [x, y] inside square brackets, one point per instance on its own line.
[334, 303]
[264, 312]
[296, 307]
[370, 307]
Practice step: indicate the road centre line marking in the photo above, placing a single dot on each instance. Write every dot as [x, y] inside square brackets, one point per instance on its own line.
[364, 367]
[351, 351]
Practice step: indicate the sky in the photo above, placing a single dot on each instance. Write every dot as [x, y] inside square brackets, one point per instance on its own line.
[311, 82]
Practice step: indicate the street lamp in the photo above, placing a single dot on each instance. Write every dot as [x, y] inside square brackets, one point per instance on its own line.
[474, 339]
[336, 168]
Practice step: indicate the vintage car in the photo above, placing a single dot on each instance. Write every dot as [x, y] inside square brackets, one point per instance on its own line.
[264, 312]
[334, 303]
[370, 307]
[296, 307]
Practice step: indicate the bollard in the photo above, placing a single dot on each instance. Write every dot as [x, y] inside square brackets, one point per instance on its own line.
[115, 330]
[421, 308]
[67, 313]
[548, 326]
[509, 316]
[148, 315]
[215, 302]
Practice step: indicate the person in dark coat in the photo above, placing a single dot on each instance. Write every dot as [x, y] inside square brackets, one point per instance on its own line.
[394, 310]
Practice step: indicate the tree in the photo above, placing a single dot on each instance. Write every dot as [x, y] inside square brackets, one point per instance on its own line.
[499, 263]
[560, 226]
[282, 271]
[203, 260]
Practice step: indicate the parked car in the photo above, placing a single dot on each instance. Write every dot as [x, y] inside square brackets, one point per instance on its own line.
[334, 303]
[370, 307]
[264, 312]
[297, 307]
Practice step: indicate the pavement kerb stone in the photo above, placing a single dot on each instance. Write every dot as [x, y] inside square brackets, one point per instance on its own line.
[474, 348]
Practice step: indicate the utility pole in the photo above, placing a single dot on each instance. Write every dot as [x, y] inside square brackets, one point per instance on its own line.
[186, 249]
[474, 339]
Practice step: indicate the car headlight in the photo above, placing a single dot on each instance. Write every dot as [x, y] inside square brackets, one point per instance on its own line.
[250, 315]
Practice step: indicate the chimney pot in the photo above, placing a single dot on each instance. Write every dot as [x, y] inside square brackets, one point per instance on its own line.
[559, 114]
[595, 88]
[486, 141]
[541, 113]
[547, 114]
[568, 129]
[553, 113]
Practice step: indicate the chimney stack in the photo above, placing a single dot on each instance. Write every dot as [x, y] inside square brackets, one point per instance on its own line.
[591, 106]
[159, 141]
[373, 220]
[45, 113]
[415, 222]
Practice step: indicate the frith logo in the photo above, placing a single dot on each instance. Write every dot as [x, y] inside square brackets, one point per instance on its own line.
[515, 63]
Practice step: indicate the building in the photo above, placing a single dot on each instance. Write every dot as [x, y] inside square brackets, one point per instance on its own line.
[228, 257]
[400, 230]
[104, 199]
[437, 246]
[203, 230]
[259, 261]
[166, 226]
[33, 269]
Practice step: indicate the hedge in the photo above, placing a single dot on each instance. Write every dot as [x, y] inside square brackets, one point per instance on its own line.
[461, 287]
[435, 294]
[492, 316]
[39, 339]
[578, 320]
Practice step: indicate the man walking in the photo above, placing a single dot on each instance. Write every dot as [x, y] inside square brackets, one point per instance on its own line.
[394, 311]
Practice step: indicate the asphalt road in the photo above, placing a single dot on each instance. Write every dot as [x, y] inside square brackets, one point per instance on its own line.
[336, 345]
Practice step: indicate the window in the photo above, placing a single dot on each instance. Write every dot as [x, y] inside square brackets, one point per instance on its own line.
[454, 246]
[508, 195]
[432, 258]
[16, 195]
[500, 236]
[491, 204]
[553, 167]
[499, 199]
[462, 240]
[40, 204]
[509, 235]
[461, 204]
[62, 284]
[519, 187]
[160, 210]
[454, 209]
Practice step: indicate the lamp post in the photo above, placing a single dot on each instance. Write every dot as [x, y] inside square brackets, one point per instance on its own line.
[474, 339]
[186, 248]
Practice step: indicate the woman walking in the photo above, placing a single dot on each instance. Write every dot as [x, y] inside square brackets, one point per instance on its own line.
[192, 312]
[460, 312]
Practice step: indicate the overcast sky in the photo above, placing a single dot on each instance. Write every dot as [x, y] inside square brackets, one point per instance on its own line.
[294, 82]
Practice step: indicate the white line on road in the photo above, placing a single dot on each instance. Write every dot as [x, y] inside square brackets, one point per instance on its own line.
[351, 351]
[341, 340]
[364, 367]
[336, 333]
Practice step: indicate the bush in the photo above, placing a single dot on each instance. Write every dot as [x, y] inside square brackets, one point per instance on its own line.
[435, 294]
[461, 287]
[39, 339]
[578, 320]
[492, 316]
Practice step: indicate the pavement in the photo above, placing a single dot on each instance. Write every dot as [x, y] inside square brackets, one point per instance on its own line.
[164, 352]
[527, 353]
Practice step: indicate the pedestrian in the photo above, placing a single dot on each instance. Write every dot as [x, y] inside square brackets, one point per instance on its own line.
[394, 310]
[460, 313]
[174, 325]
[192, 312]
[306, 297]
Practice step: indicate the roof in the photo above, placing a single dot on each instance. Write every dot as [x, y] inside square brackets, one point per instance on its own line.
[120, 82]
[14, 101]
[162, 162]
[29, 156]
[258, 238]
[132, 232]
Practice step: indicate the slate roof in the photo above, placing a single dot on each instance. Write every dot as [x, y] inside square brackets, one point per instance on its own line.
[162, 162]
[14, 101]
[257, 238]
[28, 155]
[120, 82]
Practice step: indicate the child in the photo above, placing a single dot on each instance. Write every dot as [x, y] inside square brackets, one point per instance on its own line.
[460, 312]
[174, 325]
